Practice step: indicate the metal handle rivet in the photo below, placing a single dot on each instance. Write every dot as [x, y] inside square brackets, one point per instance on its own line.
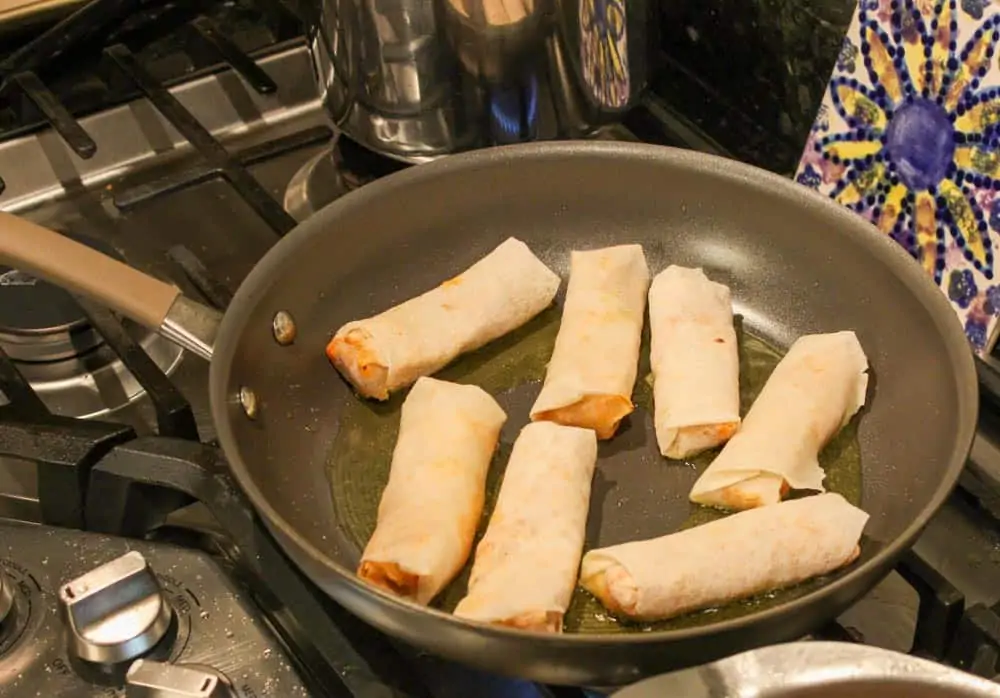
[249, 403]
[283, 327]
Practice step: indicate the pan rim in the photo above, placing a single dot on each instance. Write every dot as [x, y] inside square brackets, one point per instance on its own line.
[895, 259]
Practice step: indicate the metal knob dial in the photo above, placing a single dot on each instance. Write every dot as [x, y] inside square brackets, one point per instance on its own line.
[6, 597]
[116, 612]
[149, 679]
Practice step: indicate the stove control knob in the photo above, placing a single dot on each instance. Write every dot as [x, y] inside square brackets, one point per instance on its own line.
[6, 597]
[149, 679]
[116, 612]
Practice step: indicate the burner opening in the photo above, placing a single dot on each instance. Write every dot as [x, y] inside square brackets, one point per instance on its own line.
[357, 165]
[61, 355]
[96, 382]
[333, 173]
[40, 322]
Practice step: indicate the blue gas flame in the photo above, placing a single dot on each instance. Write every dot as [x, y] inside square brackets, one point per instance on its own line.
[515, 112]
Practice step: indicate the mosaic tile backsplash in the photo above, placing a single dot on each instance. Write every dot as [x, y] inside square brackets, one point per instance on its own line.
[908, 135]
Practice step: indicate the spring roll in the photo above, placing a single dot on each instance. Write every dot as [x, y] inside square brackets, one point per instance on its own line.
[592, 369]
[496, 295]
[695, 362]
[732, 558]
[526, 565]
[810, 396]
[430, 508]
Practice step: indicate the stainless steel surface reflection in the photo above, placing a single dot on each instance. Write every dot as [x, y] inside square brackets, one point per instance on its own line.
[816, 670]
[415, 79]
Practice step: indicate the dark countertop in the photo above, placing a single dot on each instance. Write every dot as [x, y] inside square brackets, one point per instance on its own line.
[752, 73]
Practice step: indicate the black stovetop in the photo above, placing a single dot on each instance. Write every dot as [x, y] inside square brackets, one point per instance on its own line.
[111, 476]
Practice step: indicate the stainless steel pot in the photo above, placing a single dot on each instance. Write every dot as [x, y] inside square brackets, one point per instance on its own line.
[816, 670]
[415, 79]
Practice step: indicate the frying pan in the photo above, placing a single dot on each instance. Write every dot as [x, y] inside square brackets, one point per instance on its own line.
[796, 262]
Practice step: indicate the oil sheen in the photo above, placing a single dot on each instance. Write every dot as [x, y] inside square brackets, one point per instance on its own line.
[511, 369]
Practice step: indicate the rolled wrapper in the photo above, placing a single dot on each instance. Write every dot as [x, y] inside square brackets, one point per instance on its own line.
[526, 565]
[748, 553]
[430, 508]
[592, 371]
[496, 295]
[812, 393]
[695, 362]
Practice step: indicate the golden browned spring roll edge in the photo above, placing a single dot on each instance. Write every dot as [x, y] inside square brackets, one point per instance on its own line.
[496, 295]
[695, 362]
[593, 367]
[809, 397]
[744, 554]
[526, 565]
[431, 505]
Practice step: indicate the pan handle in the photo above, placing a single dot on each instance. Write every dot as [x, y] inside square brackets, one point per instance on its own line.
[801, 668]
[159, 306]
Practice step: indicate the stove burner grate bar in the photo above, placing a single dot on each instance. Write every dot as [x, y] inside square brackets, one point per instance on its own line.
[211, 288]
[230, 52]
[218, 157]
[92, 19]
[129, 197]
[55, 113]
[201, 36]
[21, 400]
[977, 643]
[64, 448]
[941, 607]
[946, 631]
[17, 70]
[174, 416]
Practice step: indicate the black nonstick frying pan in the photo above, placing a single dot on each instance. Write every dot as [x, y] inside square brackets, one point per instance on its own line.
[796, 262]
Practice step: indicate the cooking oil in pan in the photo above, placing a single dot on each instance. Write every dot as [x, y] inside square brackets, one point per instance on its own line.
[511, 370]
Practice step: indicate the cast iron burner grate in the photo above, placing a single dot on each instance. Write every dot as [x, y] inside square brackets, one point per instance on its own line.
[176, 40]
[109, 42]
[65, 448]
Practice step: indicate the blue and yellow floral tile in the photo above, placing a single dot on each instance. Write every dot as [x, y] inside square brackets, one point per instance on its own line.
[909, 137]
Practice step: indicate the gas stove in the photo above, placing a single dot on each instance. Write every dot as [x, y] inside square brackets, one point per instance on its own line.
[187, 141]
[81, 606]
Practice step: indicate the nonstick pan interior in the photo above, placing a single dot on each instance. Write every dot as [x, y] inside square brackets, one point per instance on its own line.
[796, 264]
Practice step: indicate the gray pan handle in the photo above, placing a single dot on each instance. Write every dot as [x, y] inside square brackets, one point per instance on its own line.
[159, 306]
[815, 670]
